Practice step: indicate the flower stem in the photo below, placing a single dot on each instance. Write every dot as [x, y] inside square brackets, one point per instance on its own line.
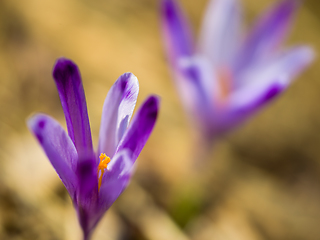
[86, 235]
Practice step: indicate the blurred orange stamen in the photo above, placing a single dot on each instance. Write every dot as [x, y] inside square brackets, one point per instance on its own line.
[224, 83]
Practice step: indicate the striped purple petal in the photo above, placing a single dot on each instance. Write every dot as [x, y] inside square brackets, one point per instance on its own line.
[117, 111]
[176, 30]
[58, 147]
[116, 179]
[200, 86]
[87, 195]
[270, 80]
[267, 35]
[242, 105]
[69, 85]
[285, 66]
[221, 31]
[140, 128]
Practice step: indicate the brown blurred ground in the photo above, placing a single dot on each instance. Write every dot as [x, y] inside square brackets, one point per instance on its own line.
[262, 181]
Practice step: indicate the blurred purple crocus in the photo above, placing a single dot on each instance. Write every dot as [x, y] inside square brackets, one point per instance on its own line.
[228, 75]
[94, 180]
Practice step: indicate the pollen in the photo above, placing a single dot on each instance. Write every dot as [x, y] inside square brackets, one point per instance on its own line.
[104, 160]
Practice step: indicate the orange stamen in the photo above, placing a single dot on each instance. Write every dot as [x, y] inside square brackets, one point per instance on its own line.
[104, 160]
[224, 83]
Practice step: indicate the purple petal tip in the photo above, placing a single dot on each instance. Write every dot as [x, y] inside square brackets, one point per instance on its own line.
[176, 30]
[168, 8]
[63, 69]
[124, 81]
[152, 106]
[285, 10]
[273, 92]
[288, 6]
[128, 86]
[41, 124]
[35, 124]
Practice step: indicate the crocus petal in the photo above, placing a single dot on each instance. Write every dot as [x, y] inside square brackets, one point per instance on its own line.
[285, 65]
[58, 147]
[140, 128]
[117, 111]
[270, 80]
[69, 85]
[200, 85]
[86, 173]
[116, 179]
[269, 33]
[221, 31]
[87, 194]
[242, 105]
[176, 30]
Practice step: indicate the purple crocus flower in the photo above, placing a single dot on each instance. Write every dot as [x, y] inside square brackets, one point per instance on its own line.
[94, 180]
[229, 75]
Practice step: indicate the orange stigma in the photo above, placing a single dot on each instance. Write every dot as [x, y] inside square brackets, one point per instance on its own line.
[224, 83]
[104, 160]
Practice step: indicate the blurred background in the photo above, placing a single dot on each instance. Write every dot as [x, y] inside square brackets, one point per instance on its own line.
[260, 182]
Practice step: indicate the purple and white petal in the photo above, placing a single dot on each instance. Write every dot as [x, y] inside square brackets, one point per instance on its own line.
[268, 81]
[176, 30]
[116, 179]
[221, 31]
[200, 78]
[117, 111]
[140, 128]
[268, 34]
[58, 147]
[205, 80]
[245, 101]
[241, 106]
[284, 66]
[68, 80]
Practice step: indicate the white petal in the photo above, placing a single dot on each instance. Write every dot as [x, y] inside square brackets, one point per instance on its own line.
[221, 31]
[117, 111]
